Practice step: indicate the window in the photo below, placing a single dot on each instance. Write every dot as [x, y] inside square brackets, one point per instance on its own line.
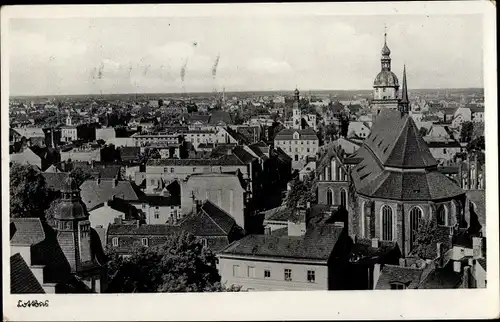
[236, 270]
[441, 215]
[194, 169]
[288, 274]
[329, 197]
[165, 169]
[308, 150]
[296, 157]
[157, 207]
[172, 170]
[343, 198]
[415, 217]
[157, 215]
[115, 241]
[145, 242]
[143, 206]
[204, 242]
[398, 286]
[267, 273]
[251, 271]
[311, 276]
[444, 151]
[386, 223]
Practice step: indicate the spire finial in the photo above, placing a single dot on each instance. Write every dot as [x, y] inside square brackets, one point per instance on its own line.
[385, 33]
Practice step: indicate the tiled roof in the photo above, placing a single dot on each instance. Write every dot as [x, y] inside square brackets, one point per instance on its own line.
[159, 200]
[122, 206]
[220, 161]
[209, 221]
[305, 134]
[317, 244]
[281, 213]
[242, 139]
[94, 193]
[243, 155]
[441, 278]
[220, 116]
[408, 276]
[28, 231]
[22, 280]
[396, 143]
[142, 230]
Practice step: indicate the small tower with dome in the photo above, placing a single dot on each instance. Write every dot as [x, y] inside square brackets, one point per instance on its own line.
[386, 84]
[297, 113]
[78, 241]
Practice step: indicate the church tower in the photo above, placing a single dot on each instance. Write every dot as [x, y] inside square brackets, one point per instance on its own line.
[386, 84]
[78, 241]
[404, 102]
[68, 120]
[297, 114]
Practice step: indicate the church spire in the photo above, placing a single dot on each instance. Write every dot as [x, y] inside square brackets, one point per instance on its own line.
[404, 102]
[386, 54]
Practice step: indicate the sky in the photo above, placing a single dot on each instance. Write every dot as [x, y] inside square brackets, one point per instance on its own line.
[146, 55]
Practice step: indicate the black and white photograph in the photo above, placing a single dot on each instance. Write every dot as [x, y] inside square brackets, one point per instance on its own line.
[284, 148]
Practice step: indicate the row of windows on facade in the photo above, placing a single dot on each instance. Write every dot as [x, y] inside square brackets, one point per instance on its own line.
[416, 215]
[158, 207]
[145, 241]
[303, 150]
[311, 274]
[282, 142]
[338, 175]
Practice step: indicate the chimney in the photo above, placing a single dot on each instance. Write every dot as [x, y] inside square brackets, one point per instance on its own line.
[137, 222]
[118, 220]
[477, 247]
[375, 242]
[402, 262]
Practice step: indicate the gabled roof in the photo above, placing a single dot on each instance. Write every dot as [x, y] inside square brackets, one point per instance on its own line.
[305, 134]
[28, 231]
[408, 276]
[94, 193]
[209, 221]
[55, 180]
[22, 280]
[317, 244]
[217, 117]
[243, 155]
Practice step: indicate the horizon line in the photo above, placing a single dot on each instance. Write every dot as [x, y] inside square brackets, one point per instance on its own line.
[241, 91]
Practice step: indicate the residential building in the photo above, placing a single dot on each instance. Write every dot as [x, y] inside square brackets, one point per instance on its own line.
[298, 144]
[98, 191]
[214, 227]
[307, 254]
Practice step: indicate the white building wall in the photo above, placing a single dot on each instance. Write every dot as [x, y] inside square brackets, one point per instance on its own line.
[276, 282]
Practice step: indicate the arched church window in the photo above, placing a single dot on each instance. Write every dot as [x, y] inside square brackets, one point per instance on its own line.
[442, 215]
[343, 198]
[386, 222]
[329, 197]
[415, 218]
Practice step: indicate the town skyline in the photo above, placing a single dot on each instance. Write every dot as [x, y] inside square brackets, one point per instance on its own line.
[128, 55]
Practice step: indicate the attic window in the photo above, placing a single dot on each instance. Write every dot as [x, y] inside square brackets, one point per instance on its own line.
[385, 150]
[364, 176]
[358, 170]
[416, 190]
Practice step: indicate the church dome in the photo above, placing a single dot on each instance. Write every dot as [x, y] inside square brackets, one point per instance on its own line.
[70, 210]
[386, 51]
[386, 78]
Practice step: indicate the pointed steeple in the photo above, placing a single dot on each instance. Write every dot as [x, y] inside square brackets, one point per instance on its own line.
[404, 102]
[386, 55]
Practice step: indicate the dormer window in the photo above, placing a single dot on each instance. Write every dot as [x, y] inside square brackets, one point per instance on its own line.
[115, 242]
[296, 136]
[145, 242]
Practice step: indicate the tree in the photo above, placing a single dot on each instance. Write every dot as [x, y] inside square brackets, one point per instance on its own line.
[28, 191]
[477, 144]
[422, 131]
[426, 238]
[301, 192]
[331, 130]
[181, 264]
[466, 131]
[80, 175]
